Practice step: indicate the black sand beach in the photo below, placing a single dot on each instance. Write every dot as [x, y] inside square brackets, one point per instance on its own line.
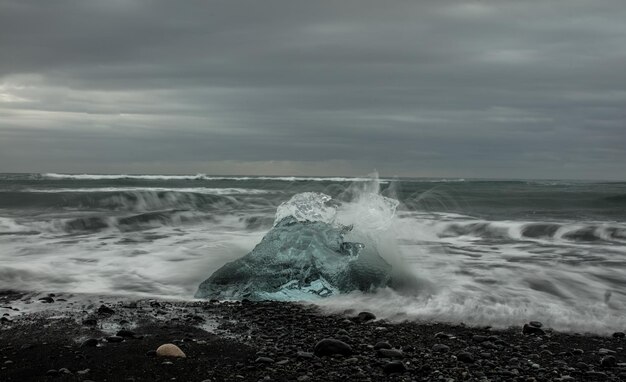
[71, 338]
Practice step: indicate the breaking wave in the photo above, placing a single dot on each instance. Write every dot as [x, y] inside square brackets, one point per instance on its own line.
[549, 231]
[195, 190]
[202, 177]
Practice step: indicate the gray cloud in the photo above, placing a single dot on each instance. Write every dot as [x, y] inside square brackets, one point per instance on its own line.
[431, 88]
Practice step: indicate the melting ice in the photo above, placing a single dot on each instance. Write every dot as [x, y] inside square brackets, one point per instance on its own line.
[305, 256]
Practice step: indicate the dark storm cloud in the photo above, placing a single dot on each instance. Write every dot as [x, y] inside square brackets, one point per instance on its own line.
[431, 88]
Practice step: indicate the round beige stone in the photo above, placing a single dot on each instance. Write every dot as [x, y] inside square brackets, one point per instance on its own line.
[170, 350]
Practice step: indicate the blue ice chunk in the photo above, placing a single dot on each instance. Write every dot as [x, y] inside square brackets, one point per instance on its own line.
[299, 260]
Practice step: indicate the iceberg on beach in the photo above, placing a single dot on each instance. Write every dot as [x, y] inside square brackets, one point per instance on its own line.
[303, 257]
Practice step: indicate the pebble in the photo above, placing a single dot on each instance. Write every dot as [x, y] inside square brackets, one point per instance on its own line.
[304, 354]
[441, 348]
[115, 339]
[342, 332]
[170, 350]
[389, 353]
[604, 351]
[365, 317]
[608, 361]
[47, 300]
[90, 322]
[264, 360]
[466, 357]
[331, 346]
[103, 309]
[535, 324]
[125, 333]
[394, 367]
[619, 335]
[382, 345]
[480, 339]
[89, 343]
[532, 330]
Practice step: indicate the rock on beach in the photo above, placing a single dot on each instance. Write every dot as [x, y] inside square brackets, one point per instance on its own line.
[170, 350]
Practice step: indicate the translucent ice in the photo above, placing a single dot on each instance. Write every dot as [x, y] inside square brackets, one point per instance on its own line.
[304, 256]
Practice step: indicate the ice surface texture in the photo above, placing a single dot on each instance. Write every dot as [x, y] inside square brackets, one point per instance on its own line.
[303, 257]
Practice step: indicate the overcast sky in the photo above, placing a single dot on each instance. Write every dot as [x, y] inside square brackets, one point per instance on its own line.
[513, 89]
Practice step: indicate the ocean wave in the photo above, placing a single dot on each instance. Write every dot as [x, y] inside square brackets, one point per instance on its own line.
[194, 190]
[551, 231]
[203, 177]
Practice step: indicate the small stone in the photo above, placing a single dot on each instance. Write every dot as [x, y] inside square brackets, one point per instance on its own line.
[331, 346]
[115, 339]
[441, 348]
[64, 370]
[83, 372]
[489, 345]
[125, 333]
[52, 373]
[465, 357]
[264, 360]
[480, 339]
[47, 300]
[442, 335]
[394, 367]
[578, 351]
[89, 343]
[608, 361]
[582, 366]
[365, 317]
[103, 309]
[389, 353]
[170, 350]
[619, 335]
[382, 345]
[595, 375]
[535, 324]
[342, 332]
[8, 362]
[90, 322]
[604, 351]
[304, 354]
[532, 330]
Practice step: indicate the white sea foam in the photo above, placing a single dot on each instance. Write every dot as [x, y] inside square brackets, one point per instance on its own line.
[202, 177]
[193, 190]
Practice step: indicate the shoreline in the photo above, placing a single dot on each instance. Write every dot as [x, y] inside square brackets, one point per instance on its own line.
[65, 338]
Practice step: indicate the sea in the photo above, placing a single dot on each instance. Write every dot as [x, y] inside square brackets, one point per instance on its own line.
[487, 252]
